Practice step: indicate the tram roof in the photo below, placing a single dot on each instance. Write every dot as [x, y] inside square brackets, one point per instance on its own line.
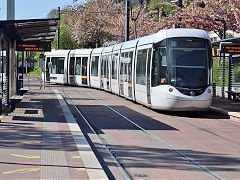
[117, 47]
[85, 52]
[57, 52]
[97, 51]
[130, 44]
[171, 33]
[108, 49]
[31, 29]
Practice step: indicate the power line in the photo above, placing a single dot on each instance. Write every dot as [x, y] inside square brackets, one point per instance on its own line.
[94, 12]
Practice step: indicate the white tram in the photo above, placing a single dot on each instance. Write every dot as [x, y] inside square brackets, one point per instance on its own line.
[169, 70]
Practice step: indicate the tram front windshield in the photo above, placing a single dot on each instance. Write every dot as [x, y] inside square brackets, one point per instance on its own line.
[188, 62]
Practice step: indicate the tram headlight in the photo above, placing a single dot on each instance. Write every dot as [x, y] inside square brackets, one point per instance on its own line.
[170, 89]
[209, 91]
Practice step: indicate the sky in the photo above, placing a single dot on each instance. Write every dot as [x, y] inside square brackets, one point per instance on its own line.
[33, 9]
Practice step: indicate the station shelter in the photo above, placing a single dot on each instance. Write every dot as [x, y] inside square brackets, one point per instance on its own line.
[21, 35]
[226, 68]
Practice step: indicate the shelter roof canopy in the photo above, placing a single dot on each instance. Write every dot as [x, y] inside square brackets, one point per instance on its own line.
[232, 40]
[30, 30]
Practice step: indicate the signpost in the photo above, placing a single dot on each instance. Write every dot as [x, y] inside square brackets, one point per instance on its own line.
[231, 48]
[33, 46]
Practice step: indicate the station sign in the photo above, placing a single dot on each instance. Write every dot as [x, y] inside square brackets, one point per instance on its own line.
[231, 49]
[33, 46]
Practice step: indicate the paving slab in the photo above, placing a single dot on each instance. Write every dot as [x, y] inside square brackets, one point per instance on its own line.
[37, 142]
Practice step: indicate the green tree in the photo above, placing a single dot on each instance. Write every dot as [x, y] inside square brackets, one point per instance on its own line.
[53, 14]
[66, 40]
[193, 15]
[89, 21]
[161, 9]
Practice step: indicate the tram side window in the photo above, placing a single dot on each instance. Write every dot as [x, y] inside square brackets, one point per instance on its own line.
[84, 66]
[103, 66]
[71, 66]
[58, 65]
[54, 65]
[122, 67]
[114, 66]
[108, 58]
[48, 60]
[126, 67]
[104, 72]
[130, 66]
[159, 67]
[94, 67]
[141, 67]
[78, 66]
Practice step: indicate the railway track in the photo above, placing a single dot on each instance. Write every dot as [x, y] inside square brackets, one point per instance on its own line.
[161, 141]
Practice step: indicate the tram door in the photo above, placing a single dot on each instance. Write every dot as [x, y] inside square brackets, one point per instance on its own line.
[107, 73]
[121, 82]
[142, 86]
[149, 57]
[130, 56]
[84, 70]
[71, 71]
[102, 73]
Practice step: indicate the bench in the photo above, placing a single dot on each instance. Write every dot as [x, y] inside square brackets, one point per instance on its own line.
[22, 91]
[14, 100]
[233, 94]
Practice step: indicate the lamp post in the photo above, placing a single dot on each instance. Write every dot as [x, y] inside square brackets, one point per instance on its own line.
[179, 3]
[223, 65]
[127, 20]
[224, 27]
[10, 9]
[58, 39]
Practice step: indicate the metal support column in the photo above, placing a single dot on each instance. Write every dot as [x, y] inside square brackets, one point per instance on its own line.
[58, 39]
[17, 74]
[7, 73]
[229, 75]
[127, 20]
[21, 77]
[223, 76]
[10, 9]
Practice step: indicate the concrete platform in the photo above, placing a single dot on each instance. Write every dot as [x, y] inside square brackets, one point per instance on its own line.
[226, 106]
[40, 139]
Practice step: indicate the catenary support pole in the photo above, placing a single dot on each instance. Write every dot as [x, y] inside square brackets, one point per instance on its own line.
[10, 9]
[58, 39]
[127, 20]
[229, 75]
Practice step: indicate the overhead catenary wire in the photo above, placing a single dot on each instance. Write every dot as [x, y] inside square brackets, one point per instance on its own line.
[94, 12]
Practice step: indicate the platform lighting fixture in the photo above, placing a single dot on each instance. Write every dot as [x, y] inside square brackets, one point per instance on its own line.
[127, 6]
[58, 39]
[223, 62]
[224, 27]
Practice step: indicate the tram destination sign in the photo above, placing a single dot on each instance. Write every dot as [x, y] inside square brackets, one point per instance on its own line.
[33, 46]
[231, 49]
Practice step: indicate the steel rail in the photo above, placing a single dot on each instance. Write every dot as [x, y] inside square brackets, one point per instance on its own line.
[162, 142]
[99, 139]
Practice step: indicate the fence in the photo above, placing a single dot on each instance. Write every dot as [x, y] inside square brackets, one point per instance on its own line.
[226, 75]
